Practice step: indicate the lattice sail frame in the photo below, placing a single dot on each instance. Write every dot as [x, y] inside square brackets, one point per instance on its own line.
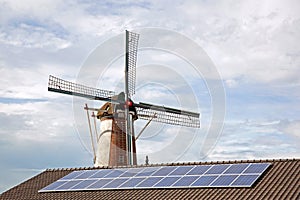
[132, 58]
[66, 87]
[168, 115]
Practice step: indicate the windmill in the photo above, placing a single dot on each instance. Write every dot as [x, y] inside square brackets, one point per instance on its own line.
[116, 144]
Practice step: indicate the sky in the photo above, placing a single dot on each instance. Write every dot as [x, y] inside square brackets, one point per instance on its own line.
[248, 49]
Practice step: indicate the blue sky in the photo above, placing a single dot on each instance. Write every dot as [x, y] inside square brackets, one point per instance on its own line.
[253, 45]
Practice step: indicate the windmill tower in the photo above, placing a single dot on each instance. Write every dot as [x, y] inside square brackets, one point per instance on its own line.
[116, 144]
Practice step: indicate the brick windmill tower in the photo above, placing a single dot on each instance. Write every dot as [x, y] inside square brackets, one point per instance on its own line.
[116, 143]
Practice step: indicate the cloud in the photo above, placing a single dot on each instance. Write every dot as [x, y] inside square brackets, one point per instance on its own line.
[291, 128]
[247, 39]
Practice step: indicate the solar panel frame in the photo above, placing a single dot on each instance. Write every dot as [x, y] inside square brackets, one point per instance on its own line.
[185, 181]
[237, 168]
[68, 185]
[84, 184]
[199, 170]
[204, 181]
[131, 183]
[244, 180]
[187, 176]
[147, 171]
[72, 175]
[132, 172]
[217, 169]
[86, 174]
[115, 173]
[181, 170]
[54, 185]
[164, 171]
[101, 173]
[256, 168]
[115, 183]
[149, 182]
[167, 181]
[100, 183]
[223, 180]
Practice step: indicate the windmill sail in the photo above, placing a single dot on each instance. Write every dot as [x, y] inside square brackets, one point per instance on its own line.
[66, 87]
[131, 58]
[167, 115]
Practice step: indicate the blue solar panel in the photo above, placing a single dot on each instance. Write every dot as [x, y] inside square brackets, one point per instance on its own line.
[204, 181]
[186, 180]
[236, 169]
[224, 180]
[115, 183]
[217, 169]
[219, 175]
[72, 175]
[68, 185]
[54, 185]
[256, 168]
[164, 171]
[147, 171]
[101, 173]
[131, 183]
[149, 182]
[114, 173]
[86, 174]
[84, 184]
[244, 180]
[182, 170]
[131, 172]
[100, 183]
[167, 181]
[199, 170]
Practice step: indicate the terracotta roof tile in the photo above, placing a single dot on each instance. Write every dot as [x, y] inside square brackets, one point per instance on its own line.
[281, 181]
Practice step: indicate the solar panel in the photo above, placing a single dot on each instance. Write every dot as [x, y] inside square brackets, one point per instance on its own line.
[68, 184]
[217, 169]
[131, 182]
[244, 180]
[115, 183]
[233, 169]
[149, 182]
[256, 168]
[198, 170]
[115, 173]
[84, 184]
[167, 181]
[72, 175]
[131, 172]
[224, 180]
[204, 181]
[99, 184]
[192, 176]
[86, 174]
[164, 171]
[186, 181]
[182, 170]
[101, 173]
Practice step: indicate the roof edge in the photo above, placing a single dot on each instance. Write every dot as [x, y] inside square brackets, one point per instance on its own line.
[179, 163]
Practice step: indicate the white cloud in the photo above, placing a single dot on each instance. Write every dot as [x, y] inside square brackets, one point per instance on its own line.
[291, 128]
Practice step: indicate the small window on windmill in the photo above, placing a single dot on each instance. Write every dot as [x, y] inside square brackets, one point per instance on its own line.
[121, 159]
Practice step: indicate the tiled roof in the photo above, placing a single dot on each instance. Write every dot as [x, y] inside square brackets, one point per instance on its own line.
[281, 181]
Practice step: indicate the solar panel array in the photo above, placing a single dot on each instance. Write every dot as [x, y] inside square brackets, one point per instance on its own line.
[187, 176]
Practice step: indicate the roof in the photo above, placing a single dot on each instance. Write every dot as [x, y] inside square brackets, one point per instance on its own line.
[281, 181]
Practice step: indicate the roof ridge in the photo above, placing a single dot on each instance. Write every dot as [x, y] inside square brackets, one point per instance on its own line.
[178, 163]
